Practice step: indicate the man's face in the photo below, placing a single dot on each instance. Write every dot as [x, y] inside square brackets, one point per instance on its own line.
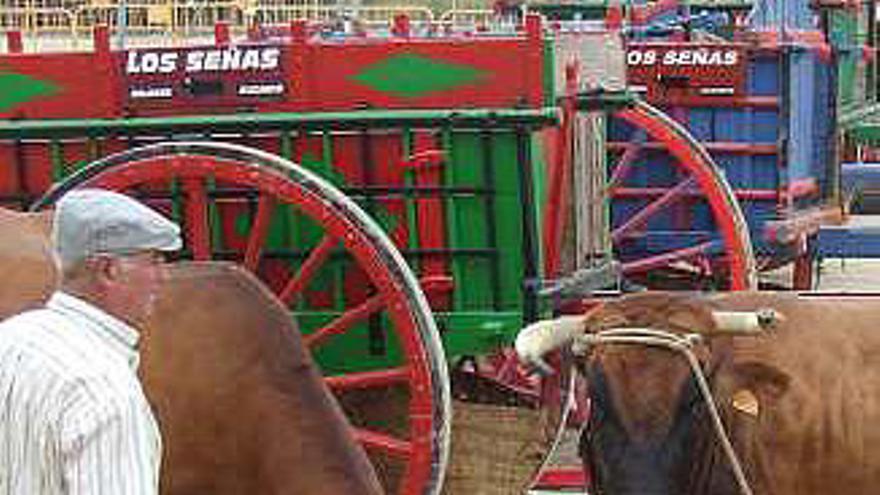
[137, 282]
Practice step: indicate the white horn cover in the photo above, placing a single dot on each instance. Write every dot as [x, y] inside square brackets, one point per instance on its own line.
[542, 337]
[745, 321]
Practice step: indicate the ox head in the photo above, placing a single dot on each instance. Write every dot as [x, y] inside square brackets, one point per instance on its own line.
[649, 431]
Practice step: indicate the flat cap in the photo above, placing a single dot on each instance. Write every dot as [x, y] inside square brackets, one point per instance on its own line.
[96, 221]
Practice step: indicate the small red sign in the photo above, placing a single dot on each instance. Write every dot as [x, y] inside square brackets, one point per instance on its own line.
[208, 76]
[666, 70]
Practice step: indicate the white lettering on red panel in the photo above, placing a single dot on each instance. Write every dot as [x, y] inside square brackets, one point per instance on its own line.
[683, 57]
[203, 60]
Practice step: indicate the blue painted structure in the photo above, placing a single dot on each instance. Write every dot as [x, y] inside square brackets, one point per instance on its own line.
[860, 236]
[775, 142]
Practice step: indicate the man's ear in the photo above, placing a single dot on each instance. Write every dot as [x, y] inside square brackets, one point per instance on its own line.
[105, 270]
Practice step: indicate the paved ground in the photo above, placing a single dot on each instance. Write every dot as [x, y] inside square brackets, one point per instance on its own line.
[851, 275]
[860, 275]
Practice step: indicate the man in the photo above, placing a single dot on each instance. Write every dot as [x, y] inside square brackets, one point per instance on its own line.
[73, 416]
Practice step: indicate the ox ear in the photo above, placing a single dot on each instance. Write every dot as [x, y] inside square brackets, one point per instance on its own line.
[765, 381]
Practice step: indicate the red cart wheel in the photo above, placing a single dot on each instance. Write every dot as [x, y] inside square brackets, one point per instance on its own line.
[216, 190]
[662, 182]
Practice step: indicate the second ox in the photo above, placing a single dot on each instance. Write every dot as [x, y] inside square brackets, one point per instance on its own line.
[740, 393]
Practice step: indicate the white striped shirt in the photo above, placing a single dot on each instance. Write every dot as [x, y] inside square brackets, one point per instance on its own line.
[73, 416]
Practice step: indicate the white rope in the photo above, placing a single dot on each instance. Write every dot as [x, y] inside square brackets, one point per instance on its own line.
[567, 408]
[682, 344]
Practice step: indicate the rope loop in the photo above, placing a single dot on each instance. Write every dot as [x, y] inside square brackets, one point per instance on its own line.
[683, 343]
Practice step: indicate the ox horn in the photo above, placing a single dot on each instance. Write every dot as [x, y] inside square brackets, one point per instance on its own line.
[746, 322]
[536, 340]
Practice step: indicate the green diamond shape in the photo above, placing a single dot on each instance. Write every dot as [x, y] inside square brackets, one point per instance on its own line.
[16, 89]
[411, 76]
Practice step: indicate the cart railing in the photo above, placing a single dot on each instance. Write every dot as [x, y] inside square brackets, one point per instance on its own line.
[474, 172]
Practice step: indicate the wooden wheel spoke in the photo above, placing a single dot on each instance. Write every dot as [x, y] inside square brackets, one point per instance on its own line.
[346, 320]
[308, 269]
[380, 442]
[198, 230]
[667, 258]
[639, 219]
[368, 379]
[259, 229]
[624, 164]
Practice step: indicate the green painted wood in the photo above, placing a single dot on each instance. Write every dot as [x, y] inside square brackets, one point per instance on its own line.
[176, 201]
[509, 233]
[866, 132]
[549, 75]
[487, 146]
[411, 75]
[465, 333]
[56, 155]
[412, 220]
[285, 144]
[474, 333]
[846, 35]
[456, 265]
[16, 89]
[214, 222]
[468, 223]
[349, 352]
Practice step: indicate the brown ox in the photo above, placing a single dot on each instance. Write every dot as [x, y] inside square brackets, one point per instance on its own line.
[242, 408]
[800, 400]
